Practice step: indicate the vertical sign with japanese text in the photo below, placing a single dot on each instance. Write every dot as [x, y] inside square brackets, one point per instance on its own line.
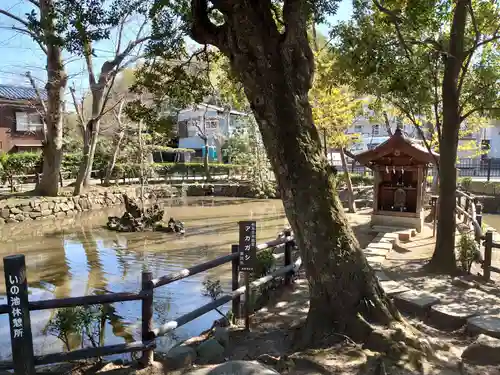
[19, 314]
[248, 245]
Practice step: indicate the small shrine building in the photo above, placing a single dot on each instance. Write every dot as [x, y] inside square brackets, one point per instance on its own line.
[400, 167]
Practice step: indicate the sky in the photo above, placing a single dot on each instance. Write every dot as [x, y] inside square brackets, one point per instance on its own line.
[19, 53]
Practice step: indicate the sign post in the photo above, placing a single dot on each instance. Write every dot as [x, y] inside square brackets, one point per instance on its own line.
[248, 256]
[19, 315]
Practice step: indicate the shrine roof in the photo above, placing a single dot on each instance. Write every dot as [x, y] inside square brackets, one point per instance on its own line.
[401, 143]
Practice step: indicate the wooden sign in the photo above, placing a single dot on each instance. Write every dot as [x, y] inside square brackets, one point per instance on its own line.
[248, 245]
[19, 314]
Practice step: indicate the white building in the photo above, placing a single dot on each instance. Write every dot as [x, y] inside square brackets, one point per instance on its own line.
[216, 123]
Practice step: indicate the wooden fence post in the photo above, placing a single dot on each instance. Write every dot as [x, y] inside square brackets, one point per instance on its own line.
[479, 214]
[235, 282]
[288, 257]
[488, 247]
[19, 315]
[147, 317]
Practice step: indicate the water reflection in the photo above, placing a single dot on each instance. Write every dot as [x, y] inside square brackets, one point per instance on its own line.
[78, 256]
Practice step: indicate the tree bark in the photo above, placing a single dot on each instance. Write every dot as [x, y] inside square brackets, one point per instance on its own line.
[350, 195]
[276, 71]
[114, 157]
[206, 165]
[90, 138]
[443, 259]
[387, 124]
[56, 85]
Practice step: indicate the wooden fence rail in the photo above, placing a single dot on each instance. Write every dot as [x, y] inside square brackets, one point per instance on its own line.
[24, 361]
[472, 212]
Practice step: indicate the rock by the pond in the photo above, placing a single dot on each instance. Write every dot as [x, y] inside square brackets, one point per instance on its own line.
[210, 351]
[484, 351]
[137, 220]
[235, 368]
[487, 324]
[221, 334]
[180, 356]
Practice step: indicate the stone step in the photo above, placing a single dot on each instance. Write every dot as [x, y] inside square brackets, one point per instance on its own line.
[375, 252]
[404, 234]
[483, 303]
[386, 238]
[392, 288]
[450, 316]
[380, 245]
[375, 259]
[381, 275]
[416, 302]
[487, 324]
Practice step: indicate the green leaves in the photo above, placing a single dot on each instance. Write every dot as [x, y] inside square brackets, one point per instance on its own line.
[396, 50]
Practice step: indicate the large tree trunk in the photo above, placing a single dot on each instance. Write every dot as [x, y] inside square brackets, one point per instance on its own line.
[56, 85]
[350, 195]
[443, 259]
[276, 72]
[91, 134]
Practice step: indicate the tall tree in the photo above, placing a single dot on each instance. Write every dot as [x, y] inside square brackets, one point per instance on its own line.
[437, 62]
[92, 21]
[334, 110]
[271, 56]
[42, 25]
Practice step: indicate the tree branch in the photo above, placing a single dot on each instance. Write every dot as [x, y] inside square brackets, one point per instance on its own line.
[37, 93]
[15, 18]
[79, 111]
[33, 36]
[395, 20]
[35, 3]
[25, 30]
[478, 109]
[203, 30]
[468, 58]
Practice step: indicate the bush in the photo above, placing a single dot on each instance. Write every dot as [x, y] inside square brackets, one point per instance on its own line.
[468, 252]
[466, 182]
[356, 179]
[85, 323]
[21, 163]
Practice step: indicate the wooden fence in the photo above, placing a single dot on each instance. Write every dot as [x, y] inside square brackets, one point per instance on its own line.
[470, 212]
[18, 307]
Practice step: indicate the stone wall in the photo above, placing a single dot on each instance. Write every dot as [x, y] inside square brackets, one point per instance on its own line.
[16, 210]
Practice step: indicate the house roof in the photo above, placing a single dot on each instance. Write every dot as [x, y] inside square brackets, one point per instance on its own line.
[397, 141]
[11, 92]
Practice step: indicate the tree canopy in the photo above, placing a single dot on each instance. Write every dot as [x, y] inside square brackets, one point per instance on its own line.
[396, 51]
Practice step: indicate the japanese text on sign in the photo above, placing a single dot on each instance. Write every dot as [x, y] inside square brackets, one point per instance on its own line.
[248, 246]
[16, 314]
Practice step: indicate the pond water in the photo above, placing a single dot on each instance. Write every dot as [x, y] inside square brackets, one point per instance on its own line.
[81, 257]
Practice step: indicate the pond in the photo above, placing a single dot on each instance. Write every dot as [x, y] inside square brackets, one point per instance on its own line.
[81, 257]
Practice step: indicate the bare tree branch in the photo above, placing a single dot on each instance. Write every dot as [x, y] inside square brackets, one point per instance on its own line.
[37, 93]
[15, 18]
[35, 3]
[78, 109]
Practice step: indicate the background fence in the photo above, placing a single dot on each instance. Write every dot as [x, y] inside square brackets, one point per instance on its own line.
[18, 307]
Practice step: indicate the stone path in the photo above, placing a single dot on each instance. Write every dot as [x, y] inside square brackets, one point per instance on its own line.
[441, 301]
